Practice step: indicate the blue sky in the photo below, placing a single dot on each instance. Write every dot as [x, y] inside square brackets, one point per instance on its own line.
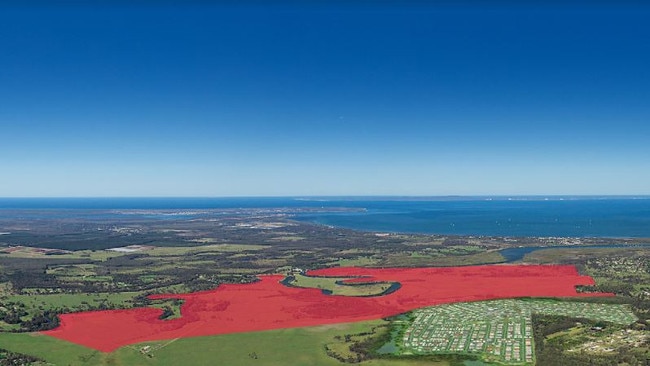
[340, 98]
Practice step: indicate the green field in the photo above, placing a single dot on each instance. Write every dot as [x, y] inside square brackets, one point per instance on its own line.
[203, 249]
[439, 260]
[71, 300]
[357, 262]
[330, 284]
[95, 255]
[102, 255]
[32, 305]
[286, 347]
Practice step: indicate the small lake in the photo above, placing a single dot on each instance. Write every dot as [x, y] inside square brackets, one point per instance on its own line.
[475, 363]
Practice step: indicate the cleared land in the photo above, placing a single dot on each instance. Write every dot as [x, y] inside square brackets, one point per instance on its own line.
[270, 348]
[339, 286]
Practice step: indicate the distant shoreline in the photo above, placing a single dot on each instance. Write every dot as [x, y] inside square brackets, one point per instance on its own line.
[563, 217]
[272, 201]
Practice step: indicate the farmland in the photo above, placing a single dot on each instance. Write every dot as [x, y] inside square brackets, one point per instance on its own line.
[269, 348]
[339, 285]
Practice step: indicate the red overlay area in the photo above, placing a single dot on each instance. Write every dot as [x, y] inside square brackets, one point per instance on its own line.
[267, 304]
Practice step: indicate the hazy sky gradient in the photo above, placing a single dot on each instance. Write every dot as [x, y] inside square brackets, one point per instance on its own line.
[211, 99]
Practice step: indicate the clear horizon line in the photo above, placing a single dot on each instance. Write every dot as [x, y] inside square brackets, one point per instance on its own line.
[333, 196]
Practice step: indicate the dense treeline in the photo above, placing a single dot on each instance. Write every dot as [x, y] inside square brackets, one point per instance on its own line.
[8, 358]
[41, 321]
[14, 313]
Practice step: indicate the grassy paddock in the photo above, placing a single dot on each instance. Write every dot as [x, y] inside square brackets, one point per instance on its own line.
[356, 262]
[285, 347]
[214, 248]
[54, 351]
[408, 260]
[103, 255]
[94, 255]
[330, 284]
[564, 255]
[72, 300]
[37, 303]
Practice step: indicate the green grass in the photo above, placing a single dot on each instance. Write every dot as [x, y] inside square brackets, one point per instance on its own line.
[407, 260]
[71, 300]
[95, 255]
[103, 255]
[213, 248]
[72, 270]
[325, 283]
[564, 255]
[52, 350]
[285, 347]
[329, 283]
[36, 303]
[171, 304]
[86, 278]
[76, 272]
[356, 262]
[292, 238]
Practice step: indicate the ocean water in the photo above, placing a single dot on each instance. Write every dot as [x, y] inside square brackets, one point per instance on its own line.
[487, 216]
[566, 217]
